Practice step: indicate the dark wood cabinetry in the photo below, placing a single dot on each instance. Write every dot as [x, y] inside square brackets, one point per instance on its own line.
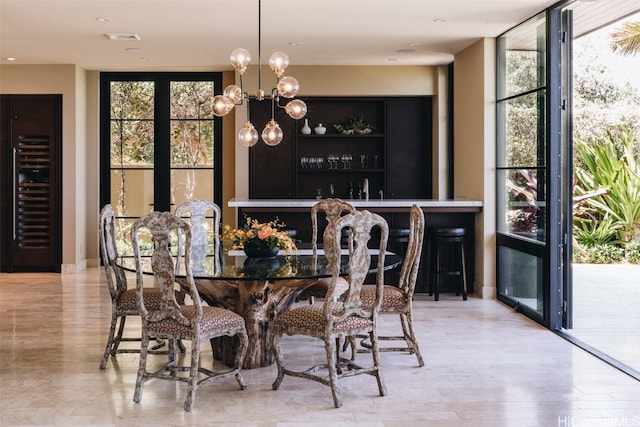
[408, 161]
[396, 154]
[397, 158]
[31, 187]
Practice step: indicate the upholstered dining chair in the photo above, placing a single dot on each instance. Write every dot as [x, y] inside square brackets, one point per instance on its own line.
[124, 301]
[335, 319]
[333, 209]
[174, 322]
[197, 211]
[398, 300]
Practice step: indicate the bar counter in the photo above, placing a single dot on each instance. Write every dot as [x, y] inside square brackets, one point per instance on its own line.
[295, 213]
[386, 205]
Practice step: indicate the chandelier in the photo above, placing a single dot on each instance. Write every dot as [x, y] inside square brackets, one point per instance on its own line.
[286, 87]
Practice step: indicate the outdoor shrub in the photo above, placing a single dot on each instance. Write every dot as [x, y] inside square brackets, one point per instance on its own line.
[611, 164]
[632, 252]
[601, 254]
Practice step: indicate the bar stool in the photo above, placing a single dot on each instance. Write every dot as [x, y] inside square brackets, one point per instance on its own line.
[398, 241]
[447, 259]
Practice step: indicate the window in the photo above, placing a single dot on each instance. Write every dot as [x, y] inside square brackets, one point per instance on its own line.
[521, 130]
[160, 142]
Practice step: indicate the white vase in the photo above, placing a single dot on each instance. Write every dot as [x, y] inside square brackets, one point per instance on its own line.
[320, 130]
[306, 130]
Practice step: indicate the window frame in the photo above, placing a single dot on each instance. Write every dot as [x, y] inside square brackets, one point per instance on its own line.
[162, 124]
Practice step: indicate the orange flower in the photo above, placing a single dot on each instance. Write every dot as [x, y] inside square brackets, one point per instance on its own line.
[265, 232]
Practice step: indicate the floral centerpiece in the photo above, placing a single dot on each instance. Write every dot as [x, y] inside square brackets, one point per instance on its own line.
[259, 240]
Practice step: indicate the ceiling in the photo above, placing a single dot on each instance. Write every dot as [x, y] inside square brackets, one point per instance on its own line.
[199, 35]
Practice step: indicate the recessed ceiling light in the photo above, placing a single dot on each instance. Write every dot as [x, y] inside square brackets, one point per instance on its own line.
[144, 58]
[11, 58]
[392, 60]
[133, 49]
[405, 50]
[103, 19]
[123, 36]
[413, 44]
[293, 44]
[439, 20]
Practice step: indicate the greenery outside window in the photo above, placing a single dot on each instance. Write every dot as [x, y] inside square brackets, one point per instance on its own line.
[160, 142]
[521, 130]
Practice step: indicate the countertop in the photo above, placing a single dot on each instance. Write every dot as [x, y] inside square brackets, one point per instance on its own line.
[364, 204]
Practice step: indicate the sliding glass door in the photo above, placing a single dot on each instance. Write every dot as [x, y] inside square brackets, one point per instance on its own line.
[530, 243]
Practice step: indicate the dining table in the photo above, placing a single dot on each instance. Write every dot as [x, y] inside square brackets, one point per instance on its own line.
[259, 289]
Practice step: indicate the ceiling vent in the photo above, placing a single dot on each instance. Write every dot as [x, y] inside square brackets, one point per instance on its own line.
[125, 37]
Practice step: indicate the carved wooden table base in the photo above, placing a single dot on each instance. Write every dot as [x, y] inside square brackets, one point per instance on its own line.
[259, 302]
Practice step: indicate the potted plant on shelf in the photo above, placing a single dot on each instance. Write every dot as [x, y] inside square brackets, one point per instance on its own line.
[356, 124]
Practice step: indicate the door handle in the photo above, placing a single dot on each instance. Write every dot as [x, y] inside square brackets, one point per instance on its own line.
[15, 160]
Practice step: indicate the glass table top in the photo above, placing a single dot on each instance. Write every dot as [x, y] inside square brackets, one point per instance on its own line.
[235, 265]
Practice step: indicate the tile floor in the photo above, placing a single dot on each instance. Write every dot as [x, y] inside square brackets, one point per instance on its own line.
[605, 309]
[485, 366]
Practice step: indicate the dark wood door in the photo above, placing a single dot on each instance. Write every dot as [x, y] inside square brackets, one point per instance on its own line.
[31, 204]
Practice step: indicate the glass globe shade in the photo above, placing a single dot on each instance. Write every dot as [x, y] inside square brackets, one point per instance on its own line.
[233, 93]
[240, 58]
[272, 134]
[279, 61]
[288, 87]
[221, 105]
[248, 136]
[296, 109]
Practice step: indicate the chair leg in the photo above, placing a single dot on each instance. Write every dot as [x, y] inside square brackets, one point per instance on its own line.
[110, 342]
[408, 319]
[332, 365]
[241, 353]
[350, 341]
[277, 353]
[142, 368]
[118, 338]
[192, 385]
[406, 332]
[375, 352]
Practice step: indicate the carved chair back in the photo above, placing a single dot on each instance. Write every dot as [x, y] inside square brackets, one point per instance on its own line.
[116, 278]
[197, 210]
[163, 227]
[360, 225]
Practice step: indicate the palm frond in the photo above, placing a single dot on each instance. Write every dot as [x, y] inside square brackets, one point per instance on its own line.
[626, 39]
